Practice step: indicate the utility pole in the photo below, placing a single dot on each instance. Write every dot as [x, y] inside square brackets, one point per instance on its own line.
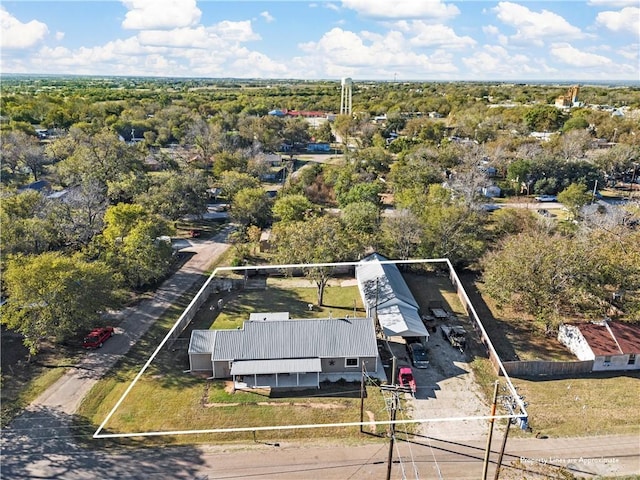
[395, 402]
[362, 400]
[392, 426]
[491, 422]
[504, 444]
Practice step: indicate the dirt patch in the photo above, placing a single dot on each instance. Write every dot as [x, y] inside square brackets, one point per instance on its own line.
[372, 418]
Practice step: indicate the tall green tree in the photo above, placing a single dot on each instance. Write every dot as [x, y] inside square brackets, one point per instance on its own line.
[55, 296]
[315, 241]
[251, 206]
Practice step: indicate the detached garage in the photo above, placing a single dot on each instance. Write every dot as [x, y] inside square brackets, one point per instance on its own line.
[386, 296]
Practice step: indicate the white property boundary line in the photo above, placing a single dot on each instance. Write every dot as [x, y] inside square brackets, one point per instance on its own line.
[522, 415]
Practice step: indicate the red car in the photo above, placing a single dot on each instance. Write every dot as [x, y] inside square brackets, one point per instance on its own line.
[97, 337]
[406, 379]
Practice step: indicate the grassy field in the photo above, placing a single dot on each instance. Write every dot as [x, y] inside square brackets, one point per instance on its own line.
[167, 398]
[279, 297]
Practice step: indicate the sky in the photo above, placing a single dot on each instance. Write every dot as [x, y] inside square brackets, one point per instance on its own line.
[387, 40]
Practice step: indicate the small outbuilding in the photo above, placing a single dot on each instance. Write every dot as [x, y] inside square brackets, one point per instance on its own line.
[387, 297]
[611, 345]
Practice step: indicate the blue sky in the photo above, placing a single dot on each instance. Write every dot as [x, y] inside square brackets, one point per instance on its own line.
[571, 40]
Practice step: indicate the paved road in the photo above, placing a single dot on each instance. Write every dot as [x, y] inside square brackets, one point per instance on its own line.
[42, 444]
[46, 421]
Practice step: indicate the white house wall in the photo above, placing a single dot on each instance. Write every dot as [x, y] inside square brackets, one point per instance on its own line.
[200, 362]
[570, 336]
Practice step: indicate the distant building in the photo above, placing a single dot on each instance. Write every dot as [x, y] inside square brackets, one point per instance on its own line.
[569, 99]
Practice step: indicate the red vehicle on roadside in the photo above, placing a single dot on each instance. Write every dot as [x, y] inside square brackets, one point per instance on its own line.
[97, 337]
[406, 379]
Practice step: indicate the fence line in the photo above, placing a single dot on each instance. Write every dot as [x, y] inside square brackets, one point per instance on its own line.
[540, 368]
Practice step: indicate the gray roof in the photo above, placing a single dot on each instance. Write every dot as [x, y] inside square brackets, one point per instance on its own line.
[259, 316]
[282, 339]
[384, 290]
[201, 341]
[382, 283]
[401, 321]
[269, 367]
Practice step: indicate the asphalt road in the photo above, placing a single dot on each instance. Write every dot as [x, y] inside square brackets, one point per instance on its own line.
[41, 443]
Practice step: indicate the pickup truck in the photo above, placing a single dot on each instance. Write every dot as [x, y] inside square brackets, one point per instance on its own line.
[456, 335]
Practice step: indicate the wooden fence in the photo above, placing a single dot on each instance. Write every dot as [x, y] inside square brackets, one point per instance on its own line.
[541, 368]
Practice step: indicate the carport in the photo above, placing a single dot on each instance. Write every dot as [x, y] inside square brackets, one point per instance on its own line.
[290, 372]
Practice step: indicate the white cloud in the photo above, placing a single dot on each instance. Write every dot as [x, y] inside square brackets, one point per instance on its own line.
[160, 14]
[235, 31]
[59, 36]
[491, 30]
[495, 61]
[570, 55]
[403, 8]
[535, 27]
[627, 19]
[16, 35]
[367, 55]
[256, 64]
[613, 3]
[267, 17]
[630, 51]
[426, 35]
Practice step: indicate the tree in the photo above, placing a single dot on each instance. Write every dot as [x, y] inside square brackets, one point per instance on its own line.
[176, 194]
[317, 240]
[251, 206]
[27, 226]
[361, 217]
[232, 182]
[55, 296]
[574, 197]
[21, 151]
[536, 274]
[292, 208]
[401, 235]
[133, 244]
[450, 230]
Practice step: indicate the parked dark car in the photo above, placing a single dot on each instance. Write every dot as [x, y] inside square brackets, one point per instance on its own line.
[97, 337]
[418, 355]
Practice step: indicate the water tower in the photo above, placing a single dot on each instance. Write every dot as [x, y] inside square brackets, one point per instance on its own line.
[345, 97]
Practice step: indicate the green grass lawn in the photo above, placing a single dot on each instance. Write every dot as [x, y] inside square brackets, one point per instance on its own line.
[338, 302]
[166, 398]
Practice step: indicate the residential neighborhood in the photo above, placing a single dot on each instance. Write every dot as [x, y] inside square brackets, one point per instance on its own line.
[395, 278]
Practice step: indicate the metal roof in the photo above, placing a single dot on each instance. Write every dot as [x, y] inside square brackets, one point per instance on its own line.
[382, 283]
[384, 290]
[261, 316]
[269, 367]
[292, 339]
[201, 341]
[401, 321]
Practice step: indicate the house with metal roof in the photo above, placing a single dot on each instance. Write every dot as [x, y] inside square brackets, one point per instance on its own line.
[386, 296]
[277, 352]
[611, 345]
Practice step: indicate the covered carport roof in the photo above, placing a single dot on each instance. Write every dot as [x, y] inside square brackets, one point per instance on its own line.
[270, 367]
[401, 321]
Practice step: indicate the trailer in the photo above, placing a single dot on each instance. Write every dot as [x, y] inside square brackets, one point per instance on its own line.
[456, 335]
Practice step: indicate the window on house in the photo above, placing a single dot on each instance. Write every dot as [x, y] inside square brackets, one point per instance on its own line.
[607, 359]
[351, 362]
[632, 359]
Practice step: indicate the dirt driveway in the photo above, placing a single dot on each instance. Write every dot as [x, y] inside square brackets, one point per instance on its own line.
[446, 390]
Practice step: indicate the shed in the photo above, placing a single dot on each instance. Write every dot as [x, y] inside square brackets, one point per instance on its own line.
[386, 295]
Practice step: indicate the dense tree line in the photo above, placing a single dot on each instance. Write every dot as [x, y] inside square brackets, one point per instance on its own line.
[127, 158]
